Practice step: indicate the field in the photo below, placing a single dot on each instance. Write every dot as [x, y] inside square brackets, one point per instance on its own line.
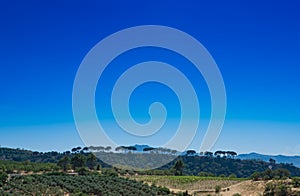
[63, 184]
[190, 183]
[79, 173]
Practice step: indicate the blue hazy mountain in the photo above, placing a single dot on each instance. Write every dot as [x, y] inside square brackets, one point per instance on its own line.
[278, 158]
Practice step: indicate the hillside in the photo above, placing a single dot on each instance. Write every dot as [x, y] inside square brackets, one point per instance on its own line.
[192, 165]
[63, 184]
[278, 158]
[216, 166]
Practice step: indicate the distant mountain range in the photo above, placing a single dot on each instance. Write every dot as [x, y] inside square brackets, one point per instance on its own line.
[278, 158]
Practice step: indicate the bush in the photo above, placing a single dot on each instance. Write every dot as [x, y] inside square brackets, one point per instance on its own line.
[109, 172]
[282, 190]
[217, 189]
[278, 174]
[256, 176]
[278, 189]
[296, 182]
[3, 178]
[83, 171]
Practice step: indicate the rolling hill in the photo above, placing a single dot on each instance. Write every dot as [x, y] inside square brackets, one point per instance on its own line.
[295, 160]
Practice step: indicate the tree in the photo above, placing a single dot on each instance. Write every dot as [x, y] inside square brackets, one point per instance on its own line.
[119, 148]
[217, 189]
[179, 165]
[281, 173]
[272, 161]
[91, 161]
[92, 148]
[64, 163]
[174, 152]
[218, 153]
[296, 182]
[107, 148]
[74, 150]
[191, 152]
[208, 154]
[3, 178]
[83, 171]
[98, 167]
[148, 149]
[85, 150]
[77, 161]
[78, 148]
[100, 148]
[131, 148]
[232, 154]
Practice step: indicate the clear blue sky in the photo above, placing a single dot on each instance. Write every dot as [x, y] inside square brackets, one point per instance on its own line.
[256, 45]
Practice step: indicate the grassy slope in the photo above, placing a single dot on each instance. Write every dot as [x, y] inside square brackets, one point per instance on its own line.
[189, 182]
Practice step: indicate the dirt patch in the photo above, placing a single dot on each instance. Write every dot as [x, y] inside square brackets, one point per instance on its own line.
[245, 188]
[249, 188]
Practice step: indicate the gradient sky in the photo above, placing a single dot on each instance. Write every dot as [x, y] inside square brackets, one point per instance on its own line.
[256, 45]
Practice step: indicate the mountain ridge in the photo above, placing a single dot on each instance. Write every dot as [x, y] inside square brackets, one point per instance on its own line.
[295, 160]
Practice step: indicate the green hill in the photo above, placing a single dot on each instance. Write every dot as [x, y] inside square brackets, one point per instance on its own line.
[205, 165]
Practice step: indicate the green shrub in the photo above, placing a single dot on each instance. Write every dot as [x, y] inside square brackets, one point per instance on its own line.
[217, 189]
[109, 172]
[277, 189]
[3, 178]
[296, 182]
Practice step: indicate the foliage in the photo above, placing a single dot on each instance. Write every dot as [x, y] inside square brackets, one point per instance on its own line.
[78, 161]
[92, 184]
[110, 172]
[27, 155]
[215, 166]
[271, 174]
[91, 161]
[278, 189]
[17, 167]
[64, 163]
[178, 166]
[296, 182]
[206, 165]
[217, 189]
[187, 182]
[3, 178]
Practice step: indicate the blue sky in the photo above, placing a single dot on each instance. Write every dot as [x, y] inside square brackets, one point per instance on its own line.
[255, 44]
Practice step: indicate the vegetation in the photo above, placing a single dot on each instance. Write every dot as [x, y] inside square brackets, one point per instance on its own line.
[296, 182]
[277, 188]
[3, 178]
[178, 167]
[217, 189]
[269, 174]
[208, 164]
[80, 172]
[26, 166]
[216, 166]
[188, 182]
[93, 184]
